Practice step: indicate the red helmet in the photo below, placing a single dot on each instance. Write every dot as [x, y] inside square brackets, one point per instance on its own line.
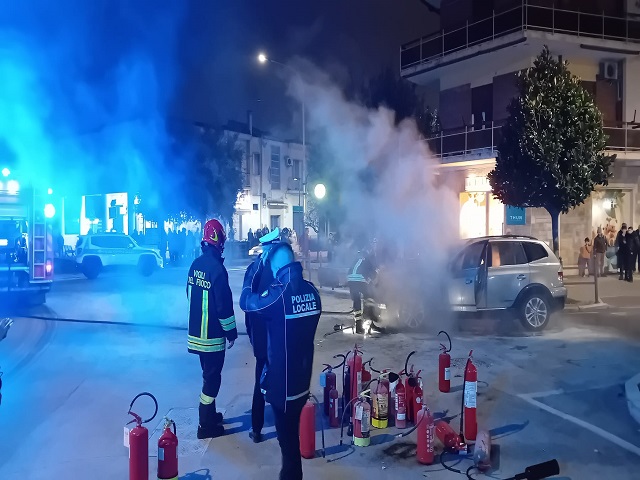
[213, 234]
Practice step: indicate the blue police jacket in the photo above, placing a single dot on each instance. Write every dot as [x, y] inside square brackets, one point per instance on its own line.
[291, 308]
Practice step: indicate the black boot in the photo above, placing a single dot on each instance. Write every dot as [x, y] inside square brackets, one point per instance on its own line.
[255, 436]
[373, 328]
[358, 322]
[209, 424]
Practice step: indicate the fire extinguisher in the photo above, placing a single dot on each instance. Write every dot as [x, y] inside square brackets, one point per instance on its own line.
[328, 382]
[444, 366]
[451, 441]
[168, 452]
[426, 435]
[469, 401]
[362, 422]
[380, 397]
[334, 418]
[401, 405]
[138, 441]
[308, 429]
[354, 363]
[409, 384]
[366, 375]
[417, 396]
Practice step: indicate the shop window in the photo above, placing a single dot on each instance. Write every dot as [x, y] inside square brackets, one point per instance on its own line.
[534, 251]
[502, 254]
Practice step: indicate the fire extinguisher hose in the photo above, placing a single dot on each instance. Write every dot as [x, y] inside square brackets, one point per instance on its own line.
[406, 363]
[155, 402]
[449, 338]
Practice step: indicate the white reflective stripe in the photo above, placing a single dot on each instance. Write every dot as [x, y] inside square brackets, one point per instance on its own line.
[357, 265]
[303, 314]
[295, 397]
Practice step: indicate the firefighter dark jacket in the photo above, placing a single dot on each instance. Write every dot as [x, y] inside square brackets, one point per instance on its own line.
[211, 318]
[291, 308]
[364, 270]
[259, 277]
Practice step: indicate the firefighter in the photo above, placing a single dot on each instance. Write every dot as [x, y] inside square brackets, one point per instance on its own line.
[291, 309]
[359, 279]
[259, 276]
[211, 323]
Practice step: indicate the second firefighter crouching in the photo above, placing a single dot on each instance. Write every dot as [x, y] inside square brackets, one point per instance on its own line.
[360, 278]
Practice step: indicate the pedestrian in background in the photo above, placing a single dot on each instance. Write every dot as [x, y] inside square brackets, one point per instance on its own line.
[622, 251]
[291, 308]
[634, 248]
[599, 250]
[259, 276]
[584, 258]
[212, 323]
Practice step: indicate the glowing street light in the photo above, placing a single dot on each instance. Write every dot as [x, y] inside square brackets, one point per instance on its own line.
[50, 191]
[13, 187]
[6, 172]
[320, 191]
[262, 58]
[49, 210]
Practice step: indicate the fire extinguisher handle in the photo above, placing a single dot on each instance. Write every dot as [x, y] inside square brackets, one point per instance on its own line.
[326, 367]
[448, 338]
[137, 417]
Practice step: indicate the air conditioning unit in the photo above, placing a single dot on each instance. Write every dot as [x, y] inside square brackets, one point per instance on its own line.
[289, 161]
[610, 70]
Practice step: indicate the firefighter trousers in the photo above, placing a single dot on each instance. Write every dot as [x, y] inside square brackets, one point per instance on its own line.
[211, 363]
[288, 429]
[257, 405]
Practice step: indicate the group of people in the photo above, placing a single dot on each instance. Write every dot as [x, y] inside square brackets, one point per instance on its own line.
[627, 246]
[182, 244]
[282, 311]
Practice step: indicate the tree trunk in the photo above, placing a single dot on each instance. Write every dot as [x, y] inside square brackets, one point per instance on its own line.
[554, 231]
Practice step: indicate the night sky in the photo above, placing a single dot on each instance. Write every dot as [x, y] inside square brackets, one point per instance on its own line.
[218, 49]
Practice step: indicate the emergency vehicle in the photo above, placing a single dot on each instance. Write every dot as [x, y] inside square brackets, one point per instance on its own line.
[26, 241]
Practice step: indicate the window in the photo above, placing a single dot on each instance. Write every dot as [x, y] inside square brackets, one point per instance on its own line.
[257, 164]
[534, 251]
[502, 254]
[111, 242]
[274, 171]
[469, 258]
[296, 171]
[255, 207]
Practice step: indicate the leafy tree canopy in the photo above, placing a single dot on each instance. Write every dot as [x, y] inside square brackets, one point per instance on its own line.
[551, 154]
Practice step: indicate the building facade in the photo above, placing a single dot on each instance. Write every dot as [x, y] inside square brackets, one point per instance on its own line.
[274, 170]
[473, 61]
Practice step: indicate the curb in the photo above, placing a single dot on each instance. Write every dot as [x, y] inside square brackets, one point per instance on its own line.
[632, 392]
[588, 306]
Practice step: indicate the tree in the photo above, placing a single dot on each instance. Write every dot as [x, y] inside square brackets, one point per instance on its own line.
[551, 154]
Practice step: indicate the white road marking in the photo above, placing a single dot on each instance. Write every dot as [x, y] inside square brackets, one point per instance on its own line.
[529, 397]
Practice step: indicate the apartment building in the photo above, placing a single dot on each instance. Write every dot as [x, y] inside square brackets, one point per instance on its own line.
[473, 60]
[273, 180]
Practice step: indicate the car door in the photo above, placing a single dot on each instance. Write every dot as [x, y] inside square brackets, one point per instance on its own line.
[507, 273]
[466, 277]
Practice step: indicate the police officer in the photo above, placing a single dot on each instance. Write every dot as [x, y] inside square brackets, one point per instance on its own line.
[359, 278]
[259, 276]
[211, 323]
[291, 309]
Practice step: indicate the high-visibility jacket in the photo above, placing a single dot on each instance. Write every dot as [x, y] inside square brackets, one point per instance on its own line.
[211, 317]
[291, 309]
[363, 270]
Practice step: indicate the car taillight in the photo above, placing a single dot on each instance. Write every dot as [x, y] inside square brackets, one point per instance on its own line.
[561, 276]
[49, 268]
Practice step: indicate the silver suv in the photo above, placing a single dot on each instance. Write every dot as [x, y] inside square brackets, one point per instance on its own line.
[95, 252]
[508, 272]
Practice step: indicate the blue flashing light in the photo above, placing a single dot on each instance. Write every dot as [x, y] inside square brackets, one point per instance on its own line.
[50, 191]
[49, 210]
[6, 172]
[13, 186]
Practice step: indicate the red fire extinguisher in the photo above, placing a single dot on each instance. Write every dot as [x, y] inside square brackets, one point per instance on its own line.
[469, 397]
[426, 435]
[362, 422]
[366, 375]
[328, 382]
[168, 452]
[450, 440]
[380, 397]
[138, 441]
[354, 364]
[308, 430]
[409, 384]
[417, 397]
[334, 416]
[444, 366]
[401, 405]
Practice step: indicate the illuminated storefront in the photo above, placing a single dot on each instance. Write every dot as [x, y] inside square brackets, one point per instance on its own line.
[480, 213]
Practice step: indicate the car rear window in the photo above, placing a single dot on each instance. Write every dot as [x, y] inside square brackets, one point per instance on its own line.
[534, 251]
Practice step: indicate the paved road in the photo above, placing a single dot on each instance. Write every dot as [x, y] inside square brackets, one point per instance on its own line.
[68, 386]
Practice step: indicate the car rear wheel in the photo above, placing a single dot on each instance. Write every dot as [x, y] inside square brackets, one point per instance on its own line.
[147, 265]
[91, 267]
[535, 312]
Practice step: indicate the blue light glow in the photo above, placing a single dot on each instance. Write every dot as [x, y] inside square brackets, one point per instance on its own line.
[49, 210]
[6, 172]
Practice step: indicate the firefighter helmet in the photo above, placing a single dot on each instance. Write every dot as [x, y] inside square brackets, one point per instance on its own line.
[214, 235]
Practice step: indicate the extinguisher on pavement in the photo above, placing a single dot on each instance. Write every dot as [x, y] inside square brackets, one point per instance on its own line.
[444, 366]
[417, 395]
[362, 422]
[308, 430]
[380, 397]
[328, 383]
[409, 384]
[334, 415]
[137, 439]
[401, 405]
[469, 429]
[366, 375]
[168, 452]
[426, 436]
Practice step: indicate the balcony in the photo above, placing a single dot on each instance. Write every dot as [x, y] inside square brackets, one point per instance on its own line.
[470, 143]
[523, 18]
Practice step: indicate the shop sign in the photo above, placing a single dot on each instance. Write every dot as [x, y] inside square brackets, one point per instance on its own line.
[516, 216]
[477, 184]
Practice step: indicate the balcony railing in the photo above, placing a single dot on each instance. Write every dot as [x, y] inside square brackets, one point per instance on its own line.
[521, 18]
[473, 141]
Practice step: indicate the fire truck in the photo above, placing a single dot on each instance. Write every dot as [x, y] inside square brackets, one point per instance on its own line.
[26, 242]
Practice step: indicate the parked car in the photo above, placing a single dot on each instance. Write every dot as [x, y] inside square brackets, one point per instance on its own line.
[514, 273]
[96, 252]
